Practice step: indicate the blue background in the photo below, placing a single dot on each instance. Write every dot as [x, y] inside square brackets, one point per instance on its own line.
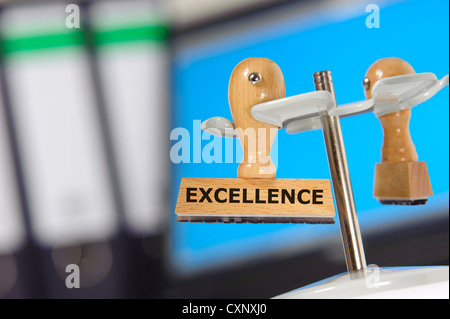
[416, 31]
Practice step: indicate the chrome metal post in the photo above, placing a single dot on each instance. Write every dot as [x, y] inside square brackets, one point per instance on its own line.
[351, 235]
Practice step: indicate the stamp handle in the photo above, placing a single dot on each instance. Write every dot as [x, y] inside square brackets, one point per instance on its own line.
[254, 81]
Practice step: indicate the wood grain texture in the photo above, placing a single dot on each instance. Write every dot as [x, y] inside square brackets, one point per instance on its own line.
[397, 143]
[403, 180]
[385, 68]
[316, 196]
[399, 175]
[256, 137]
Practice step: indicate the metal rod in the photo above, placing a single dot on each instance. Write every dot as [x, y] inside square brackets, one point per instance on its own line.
[351, 235]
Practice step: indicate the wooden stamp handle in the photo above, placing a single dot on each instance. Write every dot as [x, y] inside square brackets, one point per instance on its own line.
[254, 81]
[397, 143]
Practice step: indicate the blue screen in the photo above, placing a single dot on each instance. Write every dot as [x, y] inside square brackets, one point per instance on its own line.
[335, 40]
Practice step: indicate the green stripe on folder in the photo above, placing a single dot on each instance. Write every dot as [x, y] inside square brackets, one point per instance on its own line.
[38, 42]
[153, 33]
[157, 33]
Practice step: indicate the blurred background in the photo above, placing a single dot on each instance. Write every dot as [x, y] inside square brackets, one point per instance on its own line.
[86, 114]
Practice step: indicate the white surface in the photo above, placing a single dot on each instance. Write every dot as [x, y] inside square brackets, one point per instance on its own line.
[61, 149]
[135, 87]
[135, 81]
[113, 14]
[302, 112]
[64, 165]
[34, 19]
[380, 283]
[12, 230]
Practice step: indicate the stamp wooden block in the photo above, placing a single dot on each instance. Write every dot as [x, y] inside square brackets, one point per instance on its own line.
[403, 180]
[232, 199]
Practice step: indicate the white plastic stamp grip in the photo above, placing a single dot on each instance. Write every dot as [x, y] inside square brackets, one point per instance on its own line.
[219, 126]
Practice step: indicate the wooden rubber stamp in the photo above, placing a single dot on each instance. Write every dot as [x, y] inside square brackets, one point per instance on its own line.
[255, 81]
[256, 196]
[400, 179]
